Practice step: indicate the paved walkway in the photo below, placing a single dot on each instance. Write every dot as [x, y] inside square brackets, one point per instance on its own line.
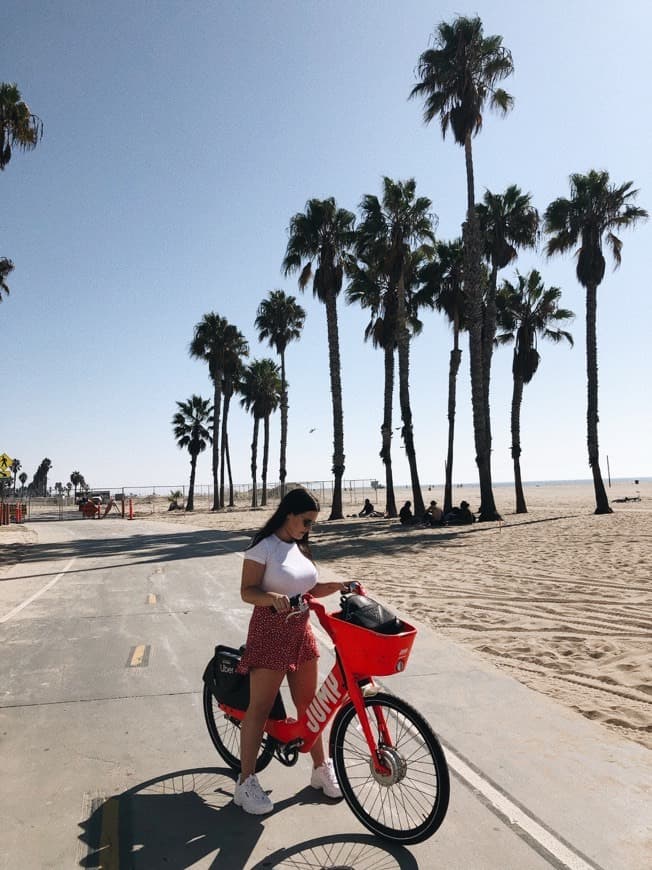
[105, 761]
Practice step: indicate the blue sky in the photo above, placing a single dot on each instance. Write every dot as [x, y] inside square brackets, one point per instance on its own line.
[180, 138]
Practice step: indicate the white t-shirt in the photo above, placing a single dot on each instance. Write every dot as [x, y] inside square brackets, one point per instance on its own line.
[287, 570]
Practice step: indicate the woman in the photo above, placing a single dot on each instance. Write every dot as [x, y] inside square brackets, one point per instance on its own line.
[277, 566]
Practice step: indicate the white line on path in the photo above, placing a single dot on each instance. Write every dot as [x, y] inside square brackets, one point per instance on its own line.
[33, 597]
[516, 816]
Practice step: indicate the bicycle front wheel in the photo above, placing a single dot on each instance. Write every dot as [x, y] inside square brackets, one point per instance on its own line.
[225, 734]
[407, 803]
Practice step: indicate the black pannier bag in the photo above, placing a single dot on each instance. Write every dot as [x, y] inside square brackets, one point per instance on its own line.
[367, 613]
[232, 688]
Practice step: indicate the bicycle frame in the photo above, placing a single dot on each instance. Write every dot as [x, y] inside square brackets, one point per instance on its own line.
[340, 686]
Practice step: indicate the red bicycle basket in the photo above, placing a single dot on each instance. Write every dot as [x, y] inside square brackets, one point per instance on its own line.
[369, 653]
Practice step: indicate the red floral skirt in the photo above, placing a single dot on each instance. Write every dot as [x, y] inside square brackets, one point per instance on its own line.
[278, 642]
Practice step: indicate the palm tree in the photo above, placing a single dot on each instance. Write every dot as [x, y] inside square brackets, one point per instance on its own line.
[230, 385]
[390, 236]
[6, 268]
[208, 344]
[18, 126]
[596, 209]
[235, 348]
[320, 239]
[261, 393]
[443, 281]
[280, 319]
[191, 425]
[526, 311]
[16, 465]
[457, 78]
[76, 479]
[507, 221]
[370, 287]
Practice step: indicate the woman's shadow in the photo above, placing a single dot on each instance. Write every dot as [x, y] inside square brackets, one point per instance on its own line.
[180, 818]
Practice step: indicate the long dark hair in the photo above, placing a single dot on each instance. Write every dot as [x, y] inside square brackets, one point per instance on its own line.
[296, 501]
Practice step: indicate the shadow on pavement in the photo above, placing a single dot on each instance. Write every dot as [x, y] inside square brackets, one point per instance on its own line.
[180, 818]
[343, 852]
[137, 548]
[331, 542]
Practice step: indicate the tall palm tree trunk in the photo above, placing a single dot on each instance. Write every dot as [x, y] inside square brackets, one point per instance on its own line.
[517, 397]
[254, 464]
[217, 405]
[488, 336]
[224, 444]
[456, 359]
[473, 281]
[284, 427]
[190, 501]
[601, 499]
[404, 398]
[386, 430]
[228, 471]
[338, 415]
[263, 498]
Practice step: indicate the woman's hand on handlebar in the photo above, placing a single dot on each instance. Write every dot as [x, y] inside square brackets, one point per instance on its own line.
[283, 604]
[279, 603]
[328, 587]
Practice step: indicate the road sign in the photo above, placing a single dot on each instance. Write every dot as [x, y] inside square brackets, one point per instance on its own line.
[6, 463]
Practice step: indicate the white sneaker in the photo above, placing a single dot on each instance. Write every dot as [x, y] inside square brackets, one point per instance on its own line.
[250, 796]
[324, 777]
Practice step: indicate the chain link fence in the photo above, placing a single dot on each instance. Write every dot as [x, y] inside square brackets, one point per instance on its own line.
[158, 498]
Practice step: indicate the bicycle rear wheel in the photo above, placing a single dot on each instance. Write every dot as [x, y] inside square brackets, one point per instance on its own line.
[225, 734]
[409, 803]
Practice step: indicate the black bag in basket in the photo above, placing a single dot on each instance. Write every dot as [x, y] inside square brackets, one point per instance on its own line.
[367, 613]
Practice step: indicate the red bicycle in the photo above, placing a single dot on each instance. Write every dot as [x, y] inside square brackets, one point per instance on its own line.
[389, 764]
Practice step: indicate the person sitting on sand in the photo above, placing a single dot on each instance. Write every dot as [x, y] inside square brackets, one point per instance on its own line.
[405, 514]
[368, 510]
[460, 516]
[434, 515]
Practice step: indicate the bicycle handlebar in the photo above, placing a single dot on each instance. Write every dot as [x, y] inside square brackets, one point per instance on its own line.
[296, 601]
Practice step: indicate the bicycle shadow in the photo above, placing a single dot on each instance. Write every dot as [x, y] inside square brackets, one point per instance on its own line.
[341, 852]
[180, 818]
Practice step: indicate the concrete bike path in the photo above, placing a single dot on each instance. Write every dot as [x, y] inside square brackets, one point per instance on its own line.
[105, 760]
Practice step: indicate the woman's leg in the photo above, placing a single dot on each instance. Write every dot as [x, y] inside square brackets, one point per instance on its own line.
[263, 686]
[303, 685]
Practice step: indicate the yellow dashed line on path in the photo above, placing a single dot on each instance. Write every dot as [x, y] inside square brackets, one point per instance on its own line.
[138, 656]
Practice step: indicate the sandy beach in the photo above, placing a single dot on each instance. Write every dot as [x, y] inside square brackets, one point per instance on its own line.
[558, 597]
